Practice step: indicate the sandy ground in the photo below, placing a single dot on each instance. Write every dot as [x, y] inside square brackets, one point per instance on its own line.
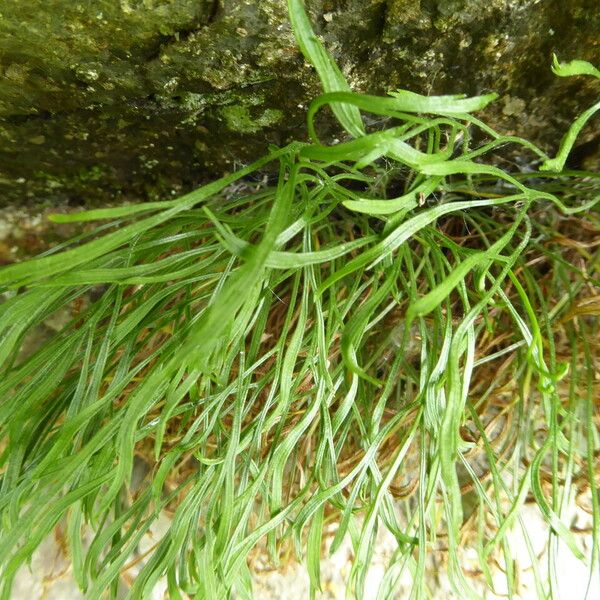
[49, 577]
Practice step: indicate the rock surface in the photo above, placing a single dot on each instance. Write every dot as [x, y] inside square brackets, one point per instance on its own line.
[147, 98]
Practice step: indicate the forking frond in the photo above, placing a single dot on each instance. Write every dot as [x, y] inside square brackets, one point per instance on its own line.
[313, 354]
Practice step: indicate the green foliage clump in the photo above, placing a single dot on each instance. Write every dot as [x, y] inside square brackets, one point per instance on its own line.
[381, 334]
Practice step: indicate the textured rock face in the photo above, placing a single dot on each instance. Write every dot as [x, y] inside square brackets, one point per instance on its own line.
[147, 98]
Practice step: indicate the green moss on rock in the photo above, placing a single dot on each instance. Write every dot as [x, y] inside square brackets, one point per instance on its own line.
[159, 95]
[240, 120]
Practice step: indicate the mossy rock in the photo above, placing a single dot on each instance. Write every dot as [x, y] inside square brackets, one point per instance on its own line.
[148, 98]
